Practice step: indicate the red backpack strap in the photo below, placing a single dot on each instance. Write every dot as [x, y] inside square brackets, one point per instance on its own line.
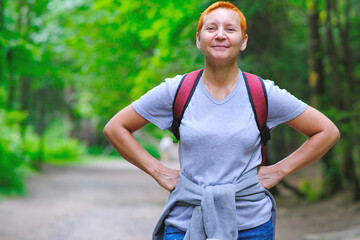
[258, 99]
[182, 98]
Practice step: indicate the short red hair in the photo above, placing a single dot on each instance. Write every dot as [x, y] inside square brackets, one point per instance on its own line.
[227, 5]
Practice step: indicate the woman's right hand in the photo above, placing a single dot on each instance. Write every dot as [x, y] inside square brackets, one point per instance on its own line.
[166, 177]
[119, 133]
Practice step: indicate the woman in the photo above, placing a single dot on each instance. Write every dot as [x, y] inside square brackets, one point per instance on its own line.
[219, 150]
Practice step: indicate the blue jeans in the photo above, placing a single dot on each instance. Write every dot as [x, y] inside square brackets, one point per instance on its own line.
[262, 232]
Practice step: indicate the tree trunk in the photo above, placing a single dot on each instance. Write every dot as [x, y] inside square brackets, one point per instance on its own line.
[349, 88]
[24, 94]
[350, 170]
[24, 97]
[24, 81]
[1, 15]
[347, 58]
[40, 127]
[20, 21]
[315, 54]
[332, 175]
[2, 50]
[23, 88]
[344, 82]
[9, 58]
[331, 51]
[11, 83]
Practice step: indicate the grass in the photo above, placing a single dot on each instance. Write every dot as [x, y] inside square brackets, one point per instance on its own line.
[87, 158]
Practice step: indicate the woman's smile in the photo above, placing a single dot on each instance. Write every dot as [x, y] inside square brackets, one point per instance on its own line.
[220, 46]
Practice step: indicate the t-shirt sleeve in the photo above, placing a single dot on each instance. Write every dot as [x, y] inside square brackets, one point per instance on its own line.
[282, 106]
[156, 105]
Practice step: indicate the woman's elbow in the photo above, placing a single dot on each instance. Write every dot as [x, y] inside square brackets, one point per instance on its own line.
[108, 130]
[337, 134]
[333, 133]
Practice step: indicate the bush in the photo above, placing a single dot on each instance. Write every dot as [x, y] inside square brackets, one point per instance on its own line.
[63, 149]
[313, 194]
[20, 151]
[59, 147]
[10, 152]
[11, 179]
[30, 145]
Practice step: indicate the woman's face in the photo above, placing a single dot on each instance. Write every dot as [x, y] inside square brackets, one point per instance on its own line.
[220, 38]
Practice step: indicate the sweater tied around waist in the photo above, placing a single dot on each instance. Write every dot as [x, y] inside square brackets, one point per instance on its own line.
[214, 216]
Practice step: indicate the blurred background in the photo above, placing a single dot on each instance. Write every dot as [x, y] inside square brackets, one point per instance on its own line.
[67, 66]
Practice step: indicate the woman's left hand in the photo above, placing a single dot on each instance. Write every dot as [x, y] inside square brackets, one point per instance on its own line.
[322, 134]
[269, 176]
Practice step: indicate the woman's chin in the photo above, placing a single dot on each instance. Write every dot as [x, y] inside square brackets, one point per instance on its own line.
[221, 59]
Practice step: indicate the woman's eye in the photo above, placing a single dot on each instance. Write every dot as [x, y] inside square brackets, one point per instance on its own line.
[231, 29]
[210, 28]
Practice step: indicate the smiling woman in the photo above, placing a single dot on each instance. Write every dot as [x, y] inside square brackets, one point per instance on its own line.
[220, 191]
[221, 40]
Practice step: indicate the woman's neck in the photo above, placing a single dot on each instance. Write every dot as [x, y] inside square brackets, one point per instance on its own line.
[220, 75]
[220, 80]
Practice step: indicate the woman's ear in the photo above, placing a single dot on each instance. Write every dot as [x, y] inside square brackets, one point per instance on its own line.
[198, 41]
[244, 43]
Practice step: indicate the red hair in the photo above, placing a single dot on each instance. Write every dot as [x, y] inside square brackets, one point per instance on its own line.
[226, 5]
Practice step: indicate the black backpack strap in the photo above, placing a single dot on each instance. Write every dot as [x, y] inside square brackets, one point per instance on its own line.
[182, 98]
[259, 103]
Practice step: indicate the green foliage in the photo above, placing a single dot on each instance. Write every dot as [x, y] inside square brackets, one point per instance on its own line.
[59, 147]
[149, 138]
[19, 152]
[313, 194]
[11, 179]
[10, 153]
[2, 97]
[333, 171]
[30, 146]
[63, 149]
[152, 149]
[86, 59]
[131, 47]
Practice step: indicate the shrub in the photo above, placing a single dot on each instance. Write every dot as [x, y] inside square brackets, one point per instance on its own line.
[59, 147]
[10, 152]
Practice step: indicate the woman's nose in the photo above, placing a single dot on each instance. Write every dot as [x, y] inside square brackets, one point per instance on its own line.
[220, 34]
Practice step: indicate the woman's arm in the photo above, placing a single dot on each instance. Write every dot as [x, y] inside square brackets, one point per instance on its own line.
[322, 133]
[119, 131]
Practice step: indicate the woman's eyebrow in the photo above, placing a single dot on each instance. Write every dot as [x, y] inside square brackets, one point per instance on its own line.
[233, 25]
[210, 23]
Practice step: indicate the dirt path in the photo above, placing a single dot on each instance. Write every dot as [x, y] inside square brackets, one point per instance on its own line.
[110, 200]
[115, 201]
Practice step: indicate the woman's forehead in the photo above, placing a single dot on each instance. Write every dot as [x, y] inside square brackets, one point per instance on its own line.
[222, 15]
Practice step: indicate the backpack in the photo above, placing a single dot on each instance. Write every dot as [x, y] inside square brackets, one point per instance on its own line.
[257, 96]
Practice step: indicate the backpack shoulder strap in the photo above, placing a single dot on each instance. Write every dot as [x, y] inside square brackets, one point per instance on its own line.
[182, 98]
[259, 103]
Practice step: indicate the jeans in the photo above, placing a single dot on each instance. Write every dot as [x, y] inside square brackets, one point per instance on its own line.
[262, 232]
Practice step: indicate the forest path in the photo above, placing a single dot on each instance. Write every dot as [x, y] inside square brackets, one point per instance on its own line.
[115, 201]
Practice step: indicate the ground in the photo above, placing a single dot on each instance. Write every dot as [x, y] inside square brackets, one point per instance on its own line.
[115, 201]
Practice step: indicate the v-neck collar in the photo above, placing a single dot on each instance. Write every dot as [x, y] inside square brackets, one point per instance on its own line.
[228, 97]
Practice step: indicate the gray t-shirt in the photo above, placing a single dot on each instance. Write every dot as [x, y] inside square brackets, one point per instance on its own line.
[219, 139]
